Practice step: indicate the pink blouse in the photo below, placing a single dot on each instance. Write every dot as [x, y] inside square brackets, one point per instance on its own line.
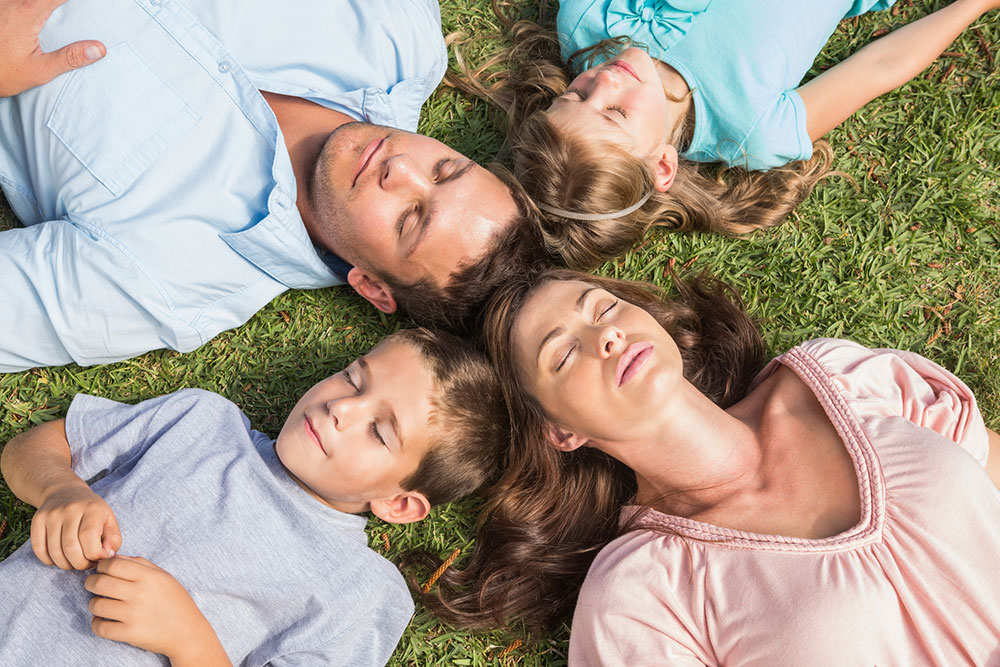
[915, 582]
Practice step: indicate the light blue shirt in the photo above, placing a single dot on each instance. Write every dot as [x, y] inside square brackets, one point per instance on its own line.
[155, 186]
[742, 60]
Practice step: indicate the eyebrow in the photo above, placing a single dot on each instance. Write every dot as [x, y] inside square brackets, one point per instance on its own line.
[393, 422]
[428, 217]
[558, 331]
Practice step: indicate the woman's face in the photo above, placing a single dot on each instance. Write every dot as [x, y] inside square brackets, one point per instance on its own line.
[600, 366]
[620, 101]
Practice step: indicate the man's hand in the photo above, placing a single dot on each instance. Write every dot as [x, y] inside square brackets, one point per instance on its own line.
[22, 63]
[141, 604]
[74, 528]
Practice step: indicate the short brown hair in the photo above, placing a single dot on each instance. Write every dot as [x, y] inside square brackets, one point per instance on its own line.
[468, 422]
[456, 306]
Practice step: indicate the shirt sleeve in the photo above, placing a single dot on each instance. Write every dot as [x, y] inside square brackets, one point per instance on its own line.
[907, 385]
[777, 137]
[106, 436]
[635, 607]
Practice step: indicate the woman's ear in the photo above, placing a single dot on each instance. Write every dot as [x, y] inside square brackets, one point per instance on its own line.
[563, 440]
[665, 168]
[405, 507]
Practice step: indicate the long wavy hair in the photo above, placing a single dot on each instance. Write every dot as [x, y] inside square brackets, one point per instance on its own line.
[570, 174]
[551, 512]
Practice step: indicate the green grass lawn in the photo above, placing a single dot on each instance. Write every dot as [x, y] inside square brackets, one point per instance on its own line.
[903, 254]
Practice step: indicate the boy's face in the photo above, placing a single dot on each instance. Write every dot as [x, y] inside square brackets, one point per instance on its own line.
[356, 435]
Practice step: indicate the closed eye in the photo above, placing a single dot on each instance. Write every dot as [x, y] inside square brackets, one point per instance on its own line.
[607, 310]
[618, 109]
[410, 213]
[377, 435]
[350, 380]
[565, 358]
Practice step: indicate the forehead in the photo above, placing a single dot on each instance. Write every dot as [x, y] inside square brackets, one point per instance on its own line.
[547, 307]
[576, 119]
[468, 213]
[403, 382]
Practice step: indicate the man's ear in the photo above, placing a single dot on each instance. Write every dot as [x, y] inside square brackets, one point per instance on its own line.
[665, 169]
[563, 440]
[405, 507]
[372, 288]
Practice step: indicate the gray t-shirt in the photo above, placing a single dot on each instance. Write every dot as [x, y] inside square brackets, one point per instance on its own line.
[283, 579]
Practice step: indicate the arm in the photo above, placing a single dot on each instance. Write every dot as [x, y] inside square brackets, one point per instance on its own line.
[993, 461]
[22, 63]
[73, 526]
[884, 65]
[141, 604]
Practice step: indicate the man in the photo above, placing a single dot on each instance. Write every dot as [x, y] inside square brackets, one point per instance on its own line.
[212, 159]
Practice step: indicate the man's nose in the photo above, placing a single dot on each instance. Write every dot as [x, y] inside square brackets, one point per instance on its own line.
[401, 171]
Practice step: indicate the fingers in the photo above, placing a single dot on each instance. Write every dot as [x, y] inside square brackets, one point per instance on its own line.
[69, 57]
[107, 586]
[108, 608]
[111, 539]
[113, 630]
[39, 542]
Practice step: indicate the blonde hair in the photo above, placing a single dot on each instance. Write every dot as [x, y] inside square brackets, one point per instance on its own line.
[564, 172]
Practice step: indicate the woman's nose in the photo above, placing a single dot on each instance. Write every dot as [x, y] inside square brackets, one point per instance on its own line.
[610, 340]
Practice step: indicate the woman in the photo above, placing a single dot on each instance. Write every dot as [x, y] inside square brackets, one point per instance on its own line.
[610, 143]
[834, 509]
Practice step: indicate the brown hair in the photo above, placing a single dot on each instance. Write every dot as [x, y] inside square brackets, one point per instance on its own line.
[570, 174]
[456, 306]
[468, 421]
[551, 512]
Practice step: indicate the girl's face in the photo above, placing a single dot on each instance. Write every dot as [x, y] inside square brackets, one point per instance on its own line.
[620, 101]
[600, 366]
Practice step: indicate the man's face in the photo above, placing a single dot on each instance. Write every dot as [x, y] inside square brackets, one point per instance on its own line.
[400, 204]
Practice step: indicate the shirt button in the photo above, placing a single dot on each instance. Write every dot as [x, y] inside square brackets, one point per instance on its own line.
[647, 14]
[156, 3]
[223, 66]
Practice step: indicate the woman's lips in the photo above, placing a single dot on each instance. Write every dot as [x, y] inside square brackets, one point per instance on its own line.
[314, 435]
[632, 359]
[366, 158]
[625, 66]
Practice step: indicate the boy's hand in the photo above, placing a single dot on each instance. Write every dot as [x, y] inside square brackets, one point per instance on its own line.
[23, 65]
[141, 604]
[74, 528]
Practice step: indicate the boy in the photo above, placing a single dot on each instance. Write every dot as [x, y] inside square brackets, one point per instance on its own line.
[263, 560]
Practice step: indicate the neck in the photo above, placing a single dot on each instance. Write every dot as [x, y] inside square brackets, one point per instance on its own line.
[678, 96]
[694, 456]
[306, 126]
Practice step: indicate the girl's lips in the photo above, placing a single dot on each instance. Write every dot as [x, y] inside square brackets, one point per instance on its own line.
[621, 64]
[314, 435]
[366, 157]
[632, 359]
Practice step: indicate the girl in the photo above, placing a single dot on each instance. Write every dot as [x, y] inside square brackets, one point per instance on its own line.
[831, 509]
[617, 149]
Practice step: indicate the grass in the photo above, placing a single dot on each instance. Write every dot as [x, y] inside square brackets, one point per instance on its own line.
[904, 256]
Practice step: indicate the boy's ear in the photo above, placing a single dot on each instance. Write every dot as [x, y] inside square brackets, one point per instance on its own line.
[372, 288]
[665, 169]
[563, 440]
[405, 507]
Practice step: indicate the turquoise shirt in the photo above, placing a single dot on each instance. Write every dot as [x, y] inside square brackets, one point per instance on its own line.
[742, 60]
[155, 185]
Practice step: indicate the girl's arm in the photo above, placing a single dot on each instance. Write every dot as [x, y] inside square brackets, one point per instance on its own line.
[884, 65]
[73, 527]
